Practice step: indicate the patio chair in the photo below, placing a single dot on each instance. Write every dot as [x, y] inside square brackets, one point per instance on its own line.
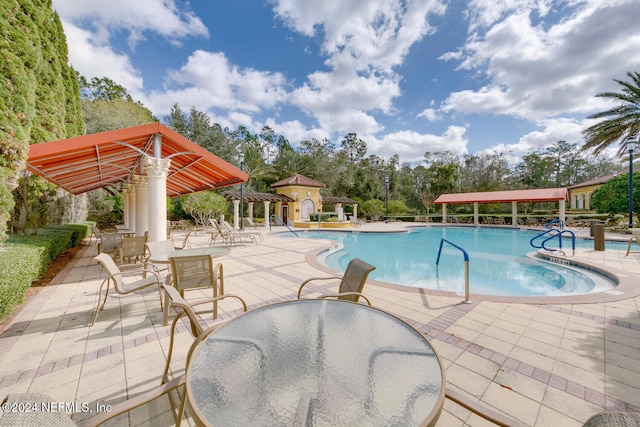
[195, 272]
[158, 248]
[109, 242]
[635, 234]
[218, 234]
[248, 222]
[251, 235]
[185, 242]
[351, 284]
[183, 308]
[120, 286]
[95, 234]
[131, 250]
[60, 418]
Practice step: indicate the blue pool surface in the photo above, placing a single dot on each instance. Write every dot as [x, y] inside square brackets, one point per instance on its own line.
[498, 262]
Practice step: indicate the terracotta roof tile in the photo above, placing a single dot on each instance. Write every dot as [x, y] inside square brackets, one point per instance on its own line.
[297, 180]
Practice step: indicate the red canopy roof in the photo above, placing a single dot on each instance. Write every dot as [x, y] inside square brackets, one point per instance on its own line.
[523, 196]
[99, 160]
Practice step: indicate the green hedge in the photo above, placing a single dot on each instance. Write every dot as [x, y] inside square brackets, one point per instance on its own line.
[25, 258]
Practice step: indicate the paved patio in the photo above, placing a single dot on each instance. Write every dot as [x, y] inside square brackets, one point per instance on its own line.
[543, 363]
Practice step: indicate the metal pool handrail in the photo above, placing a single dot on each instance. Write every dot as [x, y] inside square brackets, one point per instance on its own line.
[558, 234]
[466, 266]
[273, 216]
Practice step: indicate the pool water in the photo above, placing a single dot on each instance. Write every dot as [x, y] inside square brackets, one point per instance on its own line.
[498, 261]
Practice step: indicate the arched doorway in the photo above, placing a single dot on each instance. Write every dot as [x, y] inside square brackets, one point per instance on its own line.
[307, 208]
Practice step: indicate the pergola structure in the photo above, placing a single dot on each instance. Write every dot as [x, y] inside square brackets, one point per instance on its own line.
[151, 162]
[514, 197]
[250, 199]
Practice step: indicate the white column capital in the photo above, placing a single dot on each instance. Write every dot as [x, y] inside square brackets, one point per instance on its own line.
[139, 181]
[157, 167]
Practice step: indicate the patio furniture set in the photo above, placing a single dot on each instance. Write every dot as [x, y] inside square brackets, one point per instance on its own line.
[329, 359]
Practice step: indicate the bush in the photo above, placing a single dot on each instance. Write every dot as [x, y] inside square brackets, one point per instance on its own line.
[25, 259]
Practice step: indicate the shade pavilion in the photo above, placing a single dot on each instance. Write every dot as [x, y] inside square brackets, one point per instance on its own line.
[150, 162]
[514, 197]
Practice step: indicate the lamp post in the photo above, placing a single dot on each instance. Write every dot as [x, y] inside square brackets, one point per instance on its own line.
[241, 187]
[632, 145]
[386, 198]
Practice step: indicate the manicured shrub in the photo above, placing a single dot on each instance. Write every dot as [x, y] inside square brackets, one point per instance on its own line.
[25, 258]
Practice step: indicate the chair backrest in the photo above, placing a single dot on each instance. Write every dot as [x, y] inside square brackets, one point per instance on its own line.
[354, 278]
[133, 246]
[114, 272]
[215, 224]
[161, 247]
[189, 272]
[109, 241]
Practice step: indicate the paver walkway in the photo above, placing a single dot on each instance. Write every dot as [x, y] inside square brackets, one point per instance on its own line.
[545, 364]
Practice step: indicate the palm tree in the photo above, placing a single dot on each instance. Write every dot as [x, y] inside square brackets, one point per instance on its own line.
[621, 122]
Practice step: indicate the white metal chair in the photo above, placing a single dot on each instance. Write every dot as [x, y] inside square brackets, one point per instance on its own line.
[115, 277]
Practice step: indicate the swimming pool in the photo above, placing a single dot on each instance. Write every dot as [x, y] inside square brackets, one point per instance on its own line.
[498, 261]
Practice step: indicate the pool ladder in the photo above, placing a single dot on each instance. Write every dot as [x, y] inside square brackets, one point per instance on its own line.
[466, 266]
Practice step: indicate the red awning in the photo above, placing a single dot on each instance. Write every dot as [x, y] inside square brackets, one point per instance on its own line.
[99, 160]
[522, 196]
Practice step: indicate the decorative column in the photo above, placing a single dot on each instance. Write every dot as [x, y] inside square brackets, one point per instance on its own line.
[125, 207]
[514, 213]
[131, 191]
[476, 221]
[562, 210]
[142, 207]
[157, 197]
[444, 213]
[236, 210]
[267, 217]
[355, 211]
[250, 209]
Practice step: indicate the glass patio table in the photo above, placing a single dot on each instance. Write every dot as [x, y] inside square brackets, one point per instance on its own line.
[163, 257]
[315, 362]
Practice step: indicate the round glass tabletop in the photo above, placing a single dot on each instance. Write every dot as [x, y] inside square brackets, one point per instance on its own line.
[315, 362]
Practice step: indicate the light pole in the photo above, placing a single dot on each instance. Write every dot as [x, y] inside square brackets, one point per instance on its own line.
[241, 187]
[386, 198]
[632, 145]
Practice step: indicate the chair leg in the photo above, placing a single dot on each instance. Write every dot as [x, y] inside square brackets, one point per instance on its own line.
[165, 374]
[100, 306]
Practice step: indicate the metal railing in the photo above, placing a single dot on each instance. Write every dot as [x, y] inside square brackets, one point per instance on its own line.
[277, 218]
[553, 233]
[466, 266]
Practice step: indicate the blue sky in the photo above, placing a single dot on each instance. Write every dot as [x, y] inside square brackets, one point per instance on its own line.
[406, 76]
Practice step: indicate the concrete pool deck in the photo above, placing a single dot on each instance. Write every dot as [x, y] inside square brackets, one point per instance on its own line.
[542, 362]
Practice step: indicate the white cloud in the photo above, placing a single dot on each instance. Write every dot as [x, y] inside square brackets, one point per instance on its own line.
[410, 146]
[91, 60]
[162, 17]
[430, 114]
[542, 69]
